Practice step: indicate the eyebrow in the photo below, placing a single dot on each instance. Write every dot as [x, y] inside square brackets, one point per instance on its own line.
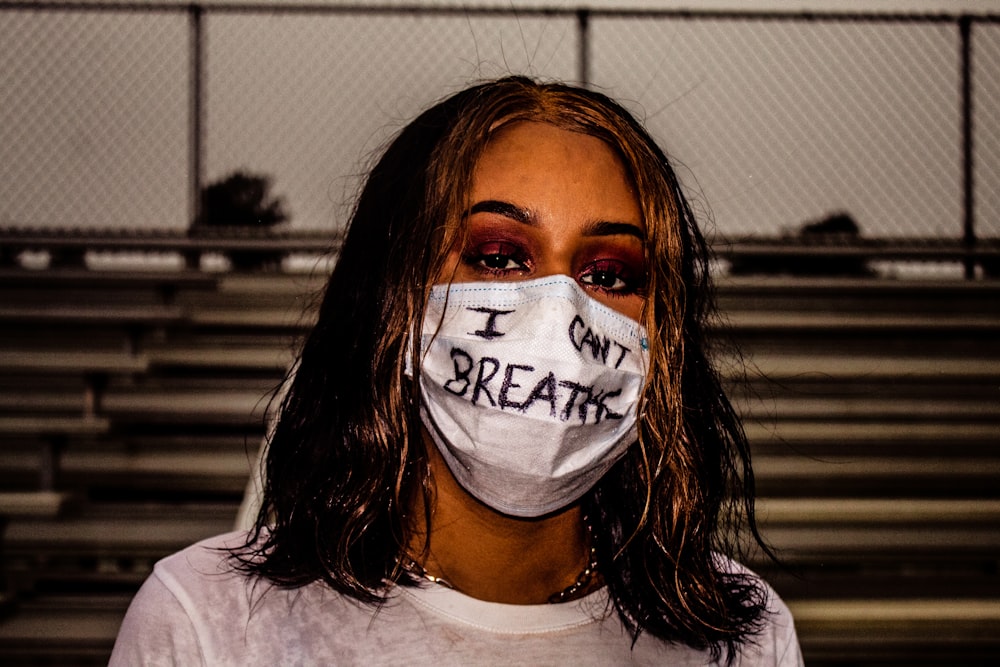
[606, 228]
[526, 217]
[505, 209]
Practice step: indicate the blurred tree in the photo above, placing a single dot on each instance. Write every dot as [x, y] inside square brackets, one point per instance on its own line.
[240, 200]
[241, 205]
[837, 229]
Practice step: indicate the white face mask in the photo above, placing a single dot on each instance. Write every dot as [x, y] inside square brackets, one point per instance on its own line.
[529, 389]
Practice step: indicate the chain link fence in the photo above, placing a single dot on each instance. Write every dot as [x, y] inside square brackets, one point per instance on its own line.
[93, 119]
[986, 121]
[774, 120]
[780, 122]
[310, 99]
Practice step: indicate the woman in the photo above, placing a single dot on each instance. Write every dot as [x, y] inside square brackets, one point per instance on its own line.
[503, 442]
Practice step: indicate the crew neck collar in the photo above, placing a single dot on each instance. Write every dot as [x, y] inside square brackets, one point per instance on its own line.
[508, 618]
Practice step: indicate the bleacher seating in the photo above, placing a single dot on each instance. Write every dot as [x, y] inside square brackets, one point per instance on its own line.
[132, 404]
[872, 406]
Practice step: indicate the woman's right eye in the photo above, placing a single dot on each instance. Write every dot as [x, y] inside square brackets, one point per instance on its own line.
[499, 262]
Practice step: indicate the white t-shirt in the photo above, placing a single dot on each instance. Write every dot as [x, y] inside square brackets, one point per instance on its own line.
[195, 610]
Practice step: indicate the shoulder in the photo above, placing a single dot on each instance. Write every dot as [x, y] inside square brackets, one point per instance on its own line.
[163, 624]
[199, 608]
[205, 563]
[190, 606]
[776, 643]
[202, 574]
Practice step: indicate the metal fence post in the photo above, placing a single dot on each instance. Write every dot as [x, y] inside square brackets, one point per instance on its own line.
[968, 171]
[196, 129]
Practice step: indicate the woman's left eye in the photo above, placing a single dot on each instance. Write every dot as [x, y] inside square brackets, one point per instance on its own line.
[611, 276]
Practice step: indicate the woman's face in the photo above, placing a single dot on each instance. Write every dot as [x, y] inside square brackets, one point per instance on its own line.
[548, 201]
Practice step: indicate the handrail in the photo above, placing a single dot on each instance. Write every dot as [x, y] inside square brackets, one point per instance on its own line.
[914, 249]
[22, 238]
[18, 239]
[71, 245]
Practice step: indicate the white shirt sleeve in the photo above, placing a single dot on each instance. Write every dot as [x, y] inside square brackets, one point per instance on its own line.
[781, 643]
[156, 631]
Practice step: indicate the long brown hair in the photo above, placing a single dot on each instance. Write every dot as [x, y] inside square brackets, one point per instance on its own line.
[346, 461]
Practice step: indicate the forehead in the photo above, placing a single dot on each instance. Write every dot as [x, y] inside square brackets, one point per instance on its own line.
[539, 160]
[544, 141]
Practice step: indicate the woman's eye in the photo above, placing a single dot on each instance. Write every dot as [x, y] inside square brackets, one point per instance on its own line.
[497, 258]
[612, 276]
[605, 279]
[499, 262]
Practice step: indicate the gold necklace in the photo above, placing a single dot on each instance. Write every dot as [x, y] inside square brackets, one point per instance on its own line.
[583, 579]
[571, 592]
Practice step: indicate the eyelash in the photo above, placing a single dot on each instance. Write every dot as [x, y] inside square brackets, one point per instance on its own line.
[497, 251]
[619, 272]
[603, 270]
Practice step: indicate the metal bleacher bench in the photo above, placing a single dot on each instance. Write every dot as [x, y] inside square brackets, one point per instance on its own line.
[872, 407]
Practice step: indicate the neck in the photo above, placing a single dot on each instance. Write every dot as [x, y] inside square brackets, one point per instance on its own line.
[493, 556]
